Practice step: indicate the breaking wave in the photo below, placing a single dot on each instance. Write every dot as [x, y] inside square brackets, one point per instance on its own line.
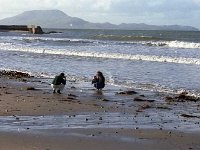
[105, 39]
[103, 55]
[51, 40]
[175, 44]
[149, 41]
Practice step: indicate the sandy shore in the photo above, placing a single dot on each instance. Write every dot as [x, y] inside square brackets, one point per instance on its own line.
[15, 99]
[33, 97]
[84, 139]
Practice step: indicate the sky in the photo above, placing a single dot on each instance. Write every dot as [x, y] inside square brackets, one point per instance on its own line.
[154, 12]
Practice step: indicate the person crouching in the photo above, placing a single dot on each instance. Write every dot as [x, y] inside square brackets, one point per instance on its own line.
[99, 81]
[58, 83]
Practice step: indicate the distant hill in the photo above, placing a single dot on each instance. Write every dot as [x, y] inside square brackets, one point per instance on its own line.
[58, 19]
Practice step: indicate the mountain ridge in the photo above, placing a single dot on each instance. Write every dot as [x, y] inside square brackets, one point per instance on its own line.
[58, 19]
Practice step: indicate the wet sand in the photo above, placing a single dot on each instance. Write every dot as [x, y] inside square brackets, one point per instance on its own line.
[33, 97]
[84, 139]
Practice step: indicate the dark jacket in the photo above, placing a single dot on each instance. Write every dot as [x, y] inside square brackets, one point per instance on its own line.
[59, 80]
[99, 83]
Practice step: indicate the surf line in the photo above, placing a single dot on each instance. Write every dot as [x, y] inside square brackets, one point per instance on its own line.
[152, 58]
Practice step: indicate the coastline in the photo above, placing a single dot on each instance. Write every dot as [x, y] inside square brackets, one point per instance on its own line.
[33, 97]
[108, 139]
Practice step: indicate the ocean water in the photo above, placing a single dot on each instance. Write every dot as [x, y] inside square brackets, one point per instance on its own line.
[163, 61]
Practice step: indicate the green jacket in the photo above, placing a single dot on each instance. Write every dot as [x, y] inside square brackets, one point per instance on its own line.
[59, 80]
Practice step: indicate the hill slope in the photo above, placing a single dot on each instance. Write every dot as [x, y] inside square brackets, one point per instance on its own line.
[58, 19]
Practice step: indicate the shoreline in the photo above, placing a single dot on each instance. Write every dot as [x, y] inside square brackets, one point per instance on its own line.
[97, 139]
[32, 117]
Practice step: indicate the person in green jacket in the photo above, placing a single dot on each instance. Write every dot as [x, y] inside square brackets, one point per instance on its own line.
[58, 83]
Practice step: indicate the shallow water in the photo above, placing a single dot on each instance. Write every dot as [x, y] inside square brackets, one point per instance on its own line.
[152, 120]
[160, 62]
[149, 60]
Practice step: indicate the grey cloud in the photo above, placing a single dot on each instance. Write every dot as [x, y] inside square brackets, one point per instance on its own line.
[185, 12]
[154, 6]
[115, 11]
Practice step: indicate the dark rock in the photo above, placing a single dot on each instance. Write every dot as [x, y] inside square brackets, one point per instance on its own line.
[7, 92]
[189, 116]
[142, 95]
[127, 93]
[52, 32]
[38, 30]
[24, 80]
[15, 74]
[169, 99]
[72, 95]
[71, 98]
[105, 100]
[65, 100]
[143, 100]
[189, 98]
[30, 88]
[182, 97]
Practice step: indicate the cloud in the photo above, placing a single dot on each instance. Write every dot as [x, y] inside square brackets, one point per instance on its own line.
[154, 6]
[184, 12]
[196, 1]
[116, 11]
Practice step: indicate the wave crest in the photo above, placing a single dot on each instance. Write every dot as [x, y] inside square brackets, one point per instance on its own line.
[126, 38]
[137, 57]
[105, 39]
[175, 44]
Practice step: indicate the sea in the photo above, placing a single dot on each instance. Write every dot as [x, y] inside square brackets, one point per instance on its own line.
[160, 61]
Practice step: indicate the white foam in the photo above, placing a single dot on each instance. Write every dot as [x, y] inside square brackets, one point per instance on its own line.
[35, 38]
[176, 44]
[137, 57]
[152, 58]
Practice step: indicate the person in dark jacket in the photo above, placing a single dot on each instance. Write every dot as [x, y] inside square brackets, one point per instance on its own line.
[99, 81]
[58, 83]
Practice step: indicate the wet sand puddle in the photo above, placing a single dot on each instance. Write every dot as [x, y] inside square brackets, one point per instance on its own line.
[153, 120]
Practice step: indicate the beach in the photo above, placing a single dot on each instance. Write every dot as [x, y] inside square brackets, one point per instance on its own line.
[80, 139]
[151, 100]
[32, 117]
